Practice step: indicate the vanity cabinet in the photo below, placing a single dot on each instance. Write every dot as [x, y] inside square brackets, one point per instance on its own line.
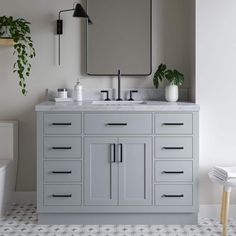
[118, 171]
[104, 167]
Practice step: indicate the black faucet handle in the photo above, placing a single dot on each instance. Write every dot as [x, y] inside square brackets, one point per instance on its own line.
[131, 94]
[107, 93]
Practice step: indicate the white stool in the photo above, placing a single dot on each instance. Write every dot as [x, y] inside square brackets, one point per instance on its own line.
[225, 201]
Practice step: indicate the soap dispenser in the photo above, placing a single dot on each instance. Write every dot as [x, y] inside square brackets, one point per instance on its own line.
[78, 91]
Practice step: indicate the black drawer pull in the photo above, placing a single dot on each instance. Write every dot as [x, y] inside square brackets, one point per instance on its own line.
[66, 124]
[173, 123]
[62, 172]
[62, 195]
[170, 195]
[173, 148]
[118, 124]
[61, 148]
[173, 172]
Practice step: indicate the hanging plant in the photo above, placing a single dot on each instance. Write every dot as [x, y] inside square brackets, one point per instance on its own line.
[19, 31]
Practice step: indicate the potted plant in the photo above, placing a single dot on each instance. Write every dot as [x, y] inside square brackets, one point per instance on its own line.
[19, 31]
[175, 79]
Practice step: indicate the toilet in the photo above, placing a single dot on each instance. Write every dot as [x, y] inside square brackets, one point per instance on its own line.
[8, 162]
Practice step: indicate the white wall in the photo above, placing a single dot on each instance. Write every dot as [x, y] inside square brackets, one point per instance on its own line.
[216, 89]
[171, 45]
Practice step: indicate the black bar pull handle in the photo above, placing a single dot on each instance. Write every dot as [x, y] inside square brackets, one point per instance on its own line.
[61, 148]
[113, 152]
[172, 195]
[62, 124]
[117, 124]
[62, 195]
[173, 172]
[62, 172]
[173, 148]
[173, 123]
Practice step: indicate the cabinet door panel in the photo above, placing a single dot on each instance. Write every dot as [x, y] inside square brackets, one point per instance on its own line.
[135, 171]
[100, 171]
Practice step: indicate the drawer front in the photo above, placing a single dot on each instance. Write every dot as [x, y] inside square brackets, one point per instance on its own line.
[118, 123]
[174, 195]
[62, 171]
[62, 147]
[173, 123]
[62, 195]
[173, 171]
[173, 147]
[62, 123]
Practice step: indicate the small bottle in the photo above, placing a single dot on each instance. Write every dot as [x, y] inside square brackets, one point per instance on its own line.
[78, 93]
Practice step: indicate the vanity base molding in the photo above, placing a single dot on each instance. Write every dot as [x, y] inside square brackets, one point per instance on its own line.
[107, 218]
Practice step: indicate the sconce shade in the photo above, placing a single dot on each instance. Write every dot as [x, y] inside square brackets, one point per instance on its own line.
[80, 12]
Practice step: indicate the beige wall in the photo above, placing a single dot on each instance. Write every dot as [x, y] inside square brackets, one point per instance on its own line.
[171, 44]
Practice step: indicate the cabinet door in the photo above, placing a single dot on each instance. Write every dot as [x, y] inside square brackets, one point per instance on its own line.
[101, 171]
[135, 171]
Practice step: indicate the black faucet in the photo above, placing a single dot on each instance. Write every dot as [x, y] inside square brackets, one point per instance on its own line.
[119, 98]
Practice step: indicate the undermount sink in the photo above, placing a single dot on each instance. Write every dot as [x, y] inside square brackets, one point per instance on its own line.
[117, 102]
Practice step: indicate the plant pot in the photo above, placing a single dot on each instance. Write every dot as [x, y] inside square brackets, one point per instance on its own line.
[171, 93]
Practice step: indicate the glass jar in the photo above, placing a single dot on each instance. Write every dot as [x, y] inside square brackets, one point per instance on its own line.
[62, 92]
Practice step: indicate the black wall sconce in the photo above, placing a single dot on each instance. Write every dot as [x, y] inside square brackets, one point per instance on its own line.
[78, 12]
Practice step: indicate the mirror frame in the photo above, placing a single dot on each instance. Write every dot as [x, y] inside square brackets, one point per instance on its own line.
[145, 74]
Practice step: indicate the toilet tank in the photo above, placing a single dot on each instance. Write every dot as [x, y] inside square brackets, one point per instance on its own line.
[9, 140]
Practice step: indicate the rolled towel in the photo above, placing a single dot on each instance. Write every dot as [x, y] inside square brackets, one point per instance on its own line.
[223, 173]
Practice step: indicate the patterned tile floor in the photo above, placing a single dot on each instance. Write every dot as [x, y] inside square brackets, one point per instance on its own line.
[21, 220]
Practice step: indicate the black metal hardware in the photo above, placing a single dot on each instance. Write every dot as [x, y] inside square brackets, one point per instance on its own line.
[107, 93]
[59, 27]
[173, 123]
[119, 98]
[121, 152]
[78, 12]
[62, 124]
[173, 148]
[62, 172]
[118, 124]
[61, 148]
[131, 94]
[170, 195]
[172, 172]
[113, 152]
[62, 195]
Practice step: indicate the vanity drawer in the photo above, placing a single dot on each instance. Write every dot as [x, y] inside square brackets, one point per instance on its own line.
[62, 171]
[97, 123]
[173, 171]
[173, 147]
[171, 123]
[62, 147]
[62, 123]
[173, 195]
[62, 195]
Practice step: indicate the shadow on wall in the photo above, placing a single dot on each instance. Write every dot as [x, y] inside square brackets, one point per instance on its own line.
[26, 173]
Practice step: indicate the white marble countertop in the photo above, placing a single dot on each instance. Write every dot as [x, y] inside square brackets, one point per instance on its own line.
[88, 106]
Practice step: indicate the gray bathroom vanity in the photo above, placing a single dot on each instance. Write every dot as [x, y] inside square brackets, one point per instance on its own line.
[117, 164]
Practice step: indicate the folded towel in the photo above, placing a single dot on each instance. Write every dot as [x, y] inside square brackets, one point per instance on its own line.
[223, 173]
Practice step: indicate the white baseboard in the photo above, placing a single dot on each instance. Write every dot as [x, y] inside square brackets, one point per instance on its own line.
[205, 211]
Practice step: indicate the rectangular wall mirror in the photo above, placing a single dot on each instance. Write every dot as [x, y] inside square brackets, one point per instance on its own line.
[120, 37]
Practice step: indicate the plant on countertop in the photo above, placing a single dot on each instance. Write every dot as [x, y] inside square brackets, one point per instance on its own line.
[173, 76]
[19, 31]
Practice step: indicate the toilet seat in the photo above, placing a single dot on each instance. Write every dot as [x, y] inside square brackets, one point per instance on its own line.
[4, 164]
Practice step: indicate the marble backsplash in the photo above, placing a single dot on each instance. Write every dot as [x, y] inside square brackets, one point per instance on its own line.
[143, 94]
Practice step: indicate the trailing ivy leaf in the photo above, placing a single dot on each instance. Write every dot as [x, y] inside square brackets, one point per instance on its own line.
[23, 49]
